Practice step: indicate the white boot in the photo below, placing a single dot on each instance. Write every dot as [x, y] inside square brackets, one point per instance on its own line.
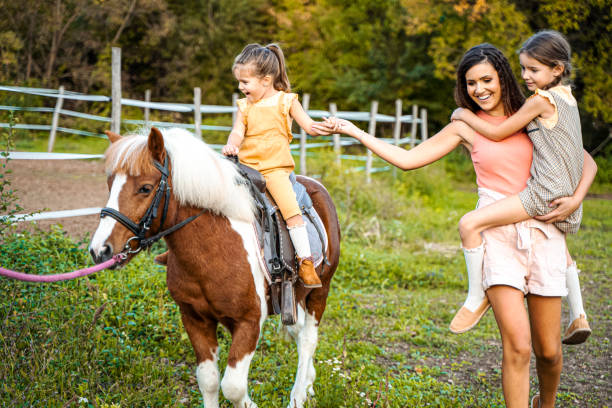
[476, 303]
[578, 330]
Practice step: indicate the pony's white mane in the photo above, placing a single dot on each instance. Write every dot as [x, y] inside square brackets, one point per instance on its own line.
[201, 177]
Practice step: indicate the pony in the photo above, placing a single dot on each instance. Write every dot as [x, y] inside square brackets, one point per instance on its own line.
[213, 271]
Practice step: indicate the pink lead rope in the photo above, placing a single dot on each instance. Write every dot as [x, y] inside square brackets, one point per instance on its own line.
[61, 276]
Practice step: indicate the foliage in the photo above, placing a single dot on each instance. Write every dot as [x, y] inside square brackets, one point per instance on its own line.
[115, 338]
[8, 197]
[348, 52]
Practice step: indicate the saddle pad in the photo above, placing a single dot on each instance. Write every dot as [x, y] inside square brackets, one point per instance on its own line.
[317, 247]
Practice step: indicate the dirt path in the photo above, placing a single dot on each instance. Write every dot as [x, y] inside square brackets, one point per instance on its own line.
[54, 185]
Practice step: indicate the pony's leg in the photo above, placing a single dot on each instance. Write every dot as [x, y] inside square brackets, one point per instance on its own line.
[305, 334]
[235, 380]
[203, 336]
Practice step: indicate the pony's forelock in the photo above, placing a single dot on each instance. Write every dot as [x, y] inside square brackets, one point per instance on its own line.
[200, 176]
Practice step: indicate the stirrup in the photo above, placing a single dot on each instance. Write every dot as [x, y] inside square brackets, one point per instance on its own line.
[288, 303]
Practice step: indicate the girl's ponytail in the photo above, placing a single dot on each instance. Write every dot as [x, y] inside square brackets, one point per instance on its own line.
[281, 82]
[262, 61]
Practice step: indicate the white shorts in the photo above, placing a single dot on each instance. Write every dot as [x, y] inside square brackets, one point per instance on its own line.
[529, 256]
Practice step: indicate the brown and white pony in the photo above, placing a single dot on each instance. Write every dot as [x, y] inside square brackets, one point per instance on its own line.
[213, 274]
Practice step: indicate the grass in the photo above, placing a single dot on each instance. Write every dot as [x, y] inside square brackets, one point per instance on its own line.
[115, 338]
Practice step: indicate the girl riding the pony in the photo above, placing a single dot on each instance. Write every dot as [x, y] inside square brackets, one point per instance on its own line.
[261, 135]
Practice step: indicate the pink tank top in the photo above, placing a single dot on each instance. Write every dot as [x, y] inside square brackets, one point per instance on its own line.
[502, 166]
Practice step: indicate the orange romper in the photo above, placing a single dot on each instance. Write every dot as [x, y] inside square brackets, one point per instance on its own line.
[266, 146]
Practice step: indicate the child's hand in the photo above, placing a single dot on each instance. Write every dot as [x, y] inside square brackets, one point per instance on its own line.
[457, 114]
[320, 129]
[230, 150]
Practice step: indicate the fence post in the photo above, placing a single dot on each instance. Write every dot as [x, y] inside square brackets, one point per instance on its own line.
[146, 110]
[333, 110]
[55, 120]
[234, 105]
[424, 135]
[197, 112]
[413, 126]
[116, 90]
[397, 127]
[305, 104]
[372, 131]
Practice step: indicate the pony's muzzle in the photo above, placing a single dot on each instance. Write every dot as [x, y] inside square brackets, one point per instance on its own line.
[104, 254]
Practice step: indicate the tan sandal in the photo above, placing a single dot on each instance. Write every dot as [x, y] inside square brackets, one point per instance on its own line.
[577, 332]
[465, 319]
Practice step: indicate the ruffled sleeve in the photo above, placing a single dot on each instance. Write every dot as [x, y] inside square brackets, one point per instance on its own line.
[286, 102]
[242, 107]
[552, 121]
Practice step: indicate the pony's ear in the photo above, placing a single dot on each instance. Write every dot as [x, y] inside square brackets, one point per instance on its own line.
[156, 144]
[112, 136]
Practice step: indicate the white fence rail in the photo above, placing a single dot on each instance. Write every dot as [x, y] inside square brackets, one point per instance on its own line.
[373, 117]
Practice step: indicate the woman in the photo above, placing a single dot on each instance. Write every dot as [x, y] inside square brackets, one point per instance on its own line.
[485, 85]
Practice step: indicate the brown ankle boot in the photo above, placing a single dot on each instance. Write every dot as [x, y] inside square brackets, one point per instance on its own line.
[161, 259]
[308, 274]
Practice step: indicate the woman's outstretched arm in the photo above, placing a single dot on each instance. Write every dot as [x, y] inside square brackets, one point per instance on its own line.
[427, 152]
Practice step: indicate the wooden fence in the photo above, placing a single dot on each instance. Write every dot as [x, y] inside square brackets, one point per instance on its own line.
[373, 117]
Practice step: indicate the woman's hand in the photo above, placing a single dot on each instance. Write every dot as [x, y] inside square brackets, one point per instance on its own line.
[564, 207]
[336, 125]
[230, 150]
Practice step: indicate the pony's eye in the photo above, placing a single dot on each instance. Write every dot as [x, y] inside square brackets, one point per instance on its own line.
[146, 189]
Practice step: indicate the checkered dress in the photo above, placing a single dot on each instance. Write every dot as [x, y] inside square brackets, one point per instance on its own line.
[557, 163]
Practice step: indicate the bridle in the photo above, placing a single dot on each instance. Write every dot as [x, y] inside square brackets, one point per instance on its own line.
[140, 230]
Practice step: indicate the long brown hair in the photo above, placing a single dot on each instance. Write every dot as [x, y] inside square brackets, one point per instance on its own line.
[268, 60]
[551, 49]
[511, 95]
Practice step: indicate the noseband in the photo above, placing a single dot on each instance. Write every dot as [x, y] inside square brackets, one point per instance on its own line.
[140, 229]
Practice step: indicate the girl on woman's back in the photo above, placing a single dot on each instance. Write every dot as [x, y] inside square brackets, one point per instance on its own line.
[502, 168]
[553, 124]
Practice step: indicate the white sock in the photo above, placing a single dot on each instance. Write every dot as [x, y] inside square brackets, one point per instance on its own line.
[574, 297]
[299, 237]
[473, 261]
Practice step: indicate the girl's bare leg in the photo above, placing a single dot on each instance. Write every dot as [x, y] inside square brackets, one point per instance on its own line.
[511, 316]
[506, 211]
[503, 212]
[545, 318]
[295, 221]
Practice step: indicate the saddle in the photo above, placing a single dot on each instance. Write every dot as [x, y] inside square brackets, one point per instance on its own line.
[276, 249]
